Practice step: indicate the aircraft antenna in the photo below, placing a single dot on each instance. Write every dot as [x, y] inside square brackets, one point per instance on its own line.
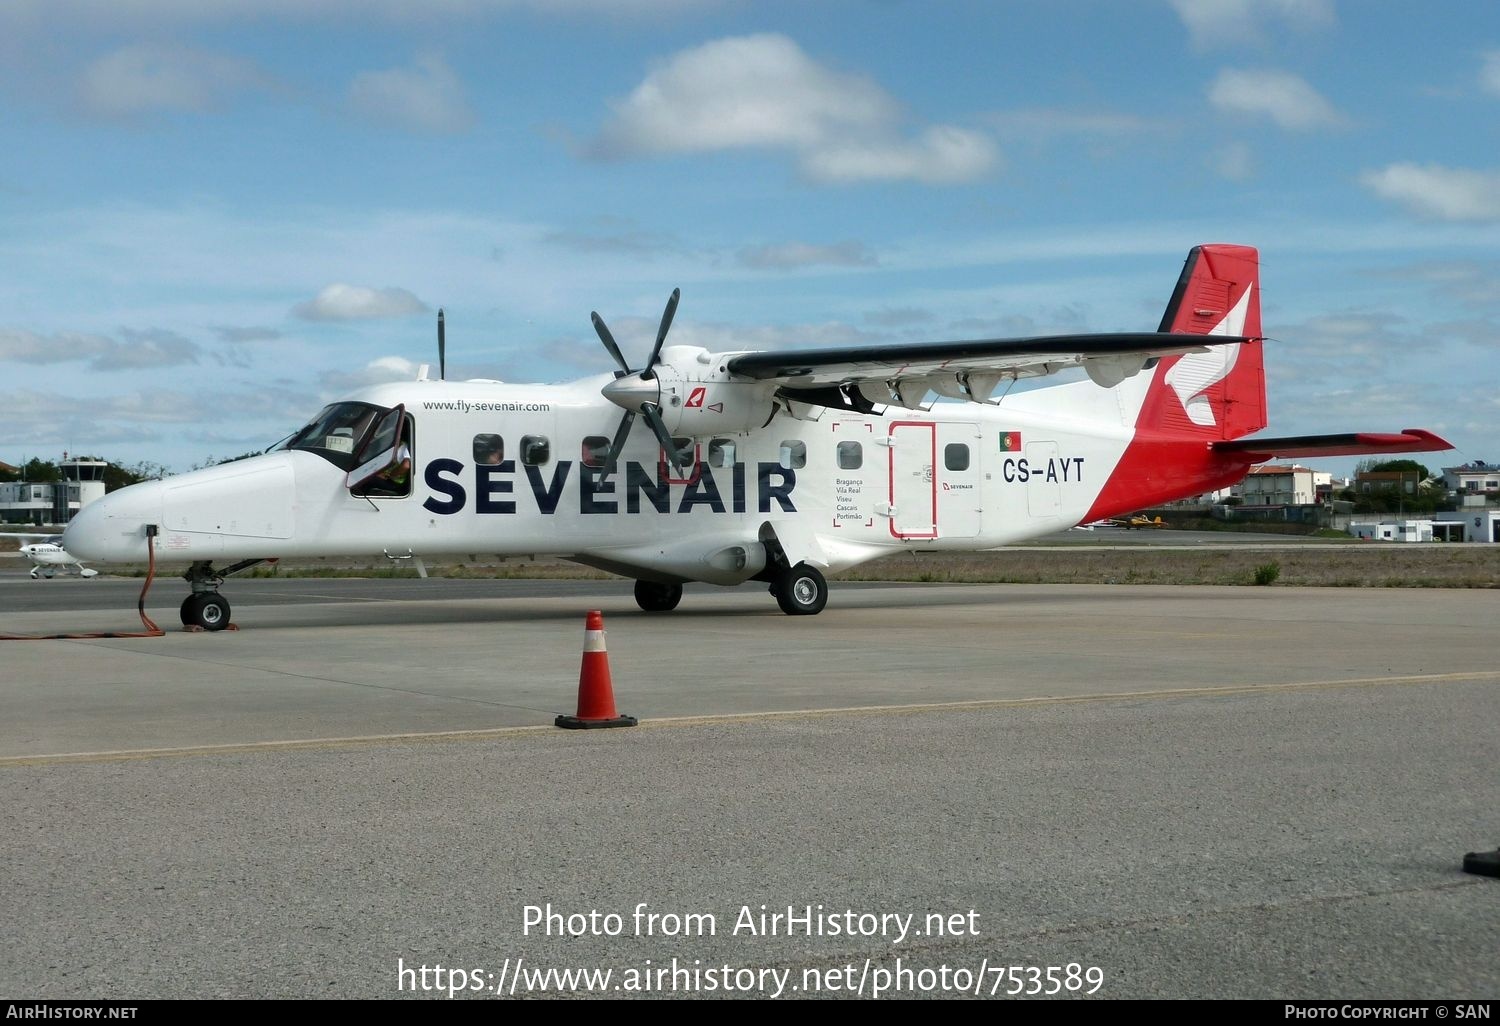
[442, 349]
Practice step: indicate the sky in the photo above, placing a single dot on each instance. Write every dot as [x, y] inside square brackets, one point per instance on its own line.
[217, 217]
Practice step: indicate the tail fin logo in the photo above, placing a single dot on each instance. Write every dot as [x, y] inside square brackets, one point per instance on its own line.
[1194, 374]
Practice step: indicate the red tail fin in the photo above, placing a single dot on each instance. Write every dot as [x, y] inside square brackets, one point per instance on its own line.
[1197, 399]
[1220, 394]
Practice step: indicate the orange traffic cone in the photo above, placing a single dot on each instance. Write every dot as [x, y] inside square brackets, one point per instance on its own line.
[596, 694]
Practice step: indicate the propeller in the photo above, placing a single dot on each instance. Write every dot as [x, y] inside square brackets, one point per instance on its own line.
[638, 392]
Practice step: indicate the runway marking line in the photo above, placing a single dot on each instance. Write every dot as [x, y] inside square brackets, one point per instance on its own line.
[495, 733]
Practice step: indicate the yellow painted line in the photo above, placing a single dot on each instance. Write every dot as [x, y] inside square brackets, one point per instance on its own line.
[496, 733]
[1115, 696]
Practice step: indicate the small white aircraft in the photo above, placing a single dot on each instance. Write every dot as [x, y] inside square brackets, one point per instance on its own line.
[49, 558]
[768, 466]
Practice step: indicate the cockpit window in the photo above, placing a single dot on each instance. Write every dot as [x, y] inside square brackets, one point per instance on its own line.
[339, 433]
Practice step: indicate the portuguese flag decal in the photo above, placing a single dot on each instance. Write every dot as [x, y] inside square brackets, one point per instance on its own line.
[1010, 441]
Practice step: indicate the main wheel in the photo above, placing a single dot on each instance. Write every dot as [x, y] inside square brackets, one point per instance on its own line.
[657, 598]
[801, 591]
[206, 609]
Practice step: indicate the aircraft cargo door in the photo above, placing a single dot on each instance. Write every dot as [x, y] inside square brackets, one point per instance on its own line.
[913, 506]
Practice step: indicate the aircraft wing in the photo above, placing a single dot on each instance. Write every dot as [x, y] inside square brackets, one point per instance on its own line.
[902, 373]
[1360, 443]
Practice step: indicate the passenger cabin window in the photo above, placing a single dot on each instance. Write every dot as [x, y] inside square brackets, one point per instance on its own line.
[956, 456]
[535, 450]
[851, 455]
[489, 450]
[595, 451]
[793, 455]
[721, 452]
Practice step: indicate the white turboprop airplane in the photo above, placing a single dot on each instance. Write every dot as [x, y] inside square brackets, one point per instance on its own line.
[767, 466]
[48, 557]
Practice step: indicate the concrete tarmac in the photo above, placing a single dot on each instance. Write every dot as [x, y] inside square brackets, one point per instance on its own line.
[1201, 792]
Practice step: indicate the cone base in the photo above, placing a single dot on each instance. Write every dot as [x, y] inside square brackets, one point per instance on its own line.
[577, 723]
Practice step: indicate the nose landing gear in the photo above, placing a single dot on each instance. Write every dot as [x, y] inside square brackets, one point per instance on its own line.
[205, 609]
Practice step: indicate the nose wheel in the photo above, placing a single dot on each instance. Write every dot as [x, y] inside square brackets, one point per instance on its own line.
[207, 609]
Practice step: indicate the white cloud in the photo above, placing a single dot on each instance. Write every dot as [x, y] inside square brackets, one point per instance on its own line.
[746, 91]
[136, 80]
[379, 371]
[763, 91]
[789, 255]
[1441, 193]
[149, 405]
[1489, 72]
[425, 98]
[1283, 97]
[59, 347]
[1229, 22]
[150, 348]
[1472, 282]
[942, 155]
[340, 302]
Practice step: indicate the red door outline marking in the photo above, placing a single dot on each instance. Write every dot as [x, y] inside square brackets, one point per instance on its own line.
[891, 474]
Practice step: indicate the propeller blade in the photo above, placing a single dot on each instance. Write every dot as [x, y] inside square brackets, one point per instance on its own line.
[621, 434]
[609, 343]
[652, 413]
[661, 334]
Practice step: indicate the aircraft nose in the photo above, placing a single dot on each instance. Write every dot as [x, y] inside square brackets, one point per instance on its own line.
[113, 529]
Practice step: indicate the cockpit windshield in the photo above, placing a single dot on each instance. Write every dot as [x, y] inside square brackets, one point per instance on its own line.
[339, 432]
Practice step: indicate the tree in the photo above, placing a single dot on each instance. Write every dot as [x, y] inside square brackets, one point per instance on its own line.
[1395, 466]
[39, 471]
[120, 476]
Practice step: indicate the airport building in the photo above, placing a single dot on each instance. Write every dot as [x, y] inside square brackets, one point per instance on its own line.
[53, 502]
[1281, 485]
[1473, 479]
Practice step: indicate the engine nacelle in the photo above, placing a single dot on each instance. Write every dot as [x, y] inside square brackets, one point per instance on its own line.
[699, 398]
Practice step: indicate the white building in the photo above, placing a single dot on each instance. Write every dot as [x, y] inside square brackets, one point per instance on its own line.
[1479, 525]
[1475, 478]
[49, 502]
[1397, 530]
[1276, 484]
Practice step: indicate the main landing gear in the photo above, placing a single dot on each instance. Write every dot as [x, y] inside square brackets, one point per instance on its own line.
[800, 590]
[205, 608]
[657, 598]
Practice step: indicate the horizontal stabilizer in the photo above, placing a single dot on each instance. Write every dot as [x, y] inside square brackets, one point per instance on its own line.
[1361, 443]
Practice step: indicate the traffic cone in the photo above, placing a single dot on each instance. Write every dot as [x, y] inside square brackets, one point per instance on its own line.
[596, 694]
